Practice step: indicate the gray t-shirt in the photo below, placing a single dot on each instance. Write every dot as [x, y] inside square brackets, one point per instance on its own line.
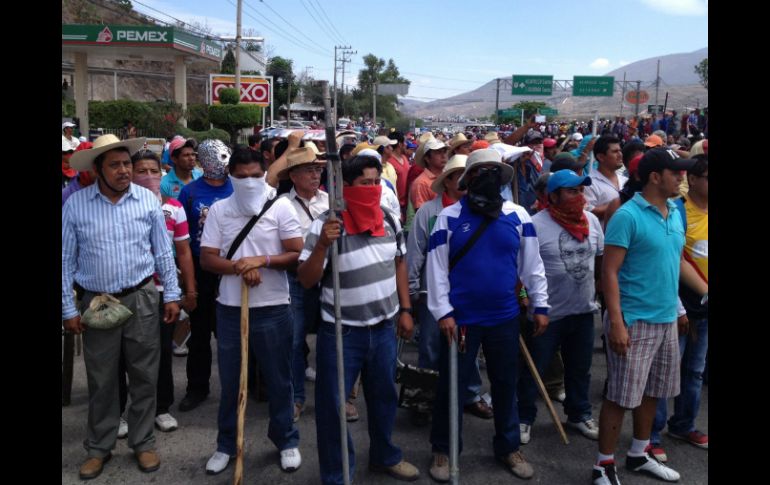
[569, 265]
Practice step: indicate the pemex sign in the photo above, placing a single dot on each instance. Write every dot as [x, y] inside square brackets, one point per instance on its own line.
[254, 89]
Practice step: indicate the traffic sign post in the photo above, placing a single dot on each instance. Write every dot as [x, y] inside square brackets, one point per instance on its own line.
[593, 85]
[533, 85]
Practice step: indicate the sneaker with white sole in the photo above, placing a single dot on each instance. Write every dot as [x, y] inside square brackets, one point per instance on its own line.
[217, 463]
[605, 474]
[290, 460]
[588, 428]
[524, 431]
[647, 464]
[122, 428]
[310, 374]
[658, 452]
[166, 422]
[695, 438]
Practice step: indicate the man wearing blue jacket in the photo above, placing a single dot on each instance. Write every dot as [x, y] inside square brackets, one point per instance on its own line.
[479, 249]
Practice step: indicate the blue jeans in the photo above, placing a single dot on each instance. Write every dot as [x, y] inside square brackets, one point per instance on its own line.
[372, 352]
[687, 403]
[270, 335]
[297, 292]
[431, 341]
[575, 335]
[501, 348]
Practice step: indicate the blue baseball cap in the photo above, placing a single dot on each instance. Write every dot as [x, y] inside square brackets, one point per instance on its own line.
[566, 178]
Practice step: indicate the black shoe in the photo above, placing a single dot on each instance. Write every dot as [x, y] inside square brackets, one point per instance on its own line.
[605, 474]
[190, 402]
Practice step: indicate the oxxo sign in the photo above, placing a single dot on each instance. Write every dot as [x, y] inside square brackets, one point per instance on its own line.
[254, 90]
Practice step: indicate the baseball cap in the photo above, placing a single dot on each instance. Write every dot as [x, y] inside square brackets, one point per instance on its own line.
[67, 124]
[577, 136]
[565, 161]
[658, 159]
[654, 141]
[549, 143]
[566, 178]
[532, 136]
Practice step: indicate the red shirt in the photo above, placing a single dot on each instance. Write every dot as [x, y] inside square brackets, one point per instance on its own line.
[401, 165]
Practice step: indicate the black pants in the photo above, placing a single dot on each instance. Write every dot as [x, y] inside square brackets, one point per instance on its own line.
[165, 374]
[202, 324]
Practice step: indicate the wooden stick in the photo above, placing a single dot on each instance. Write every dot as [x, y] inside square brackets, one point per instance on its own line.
[243, 390]
[536, 376]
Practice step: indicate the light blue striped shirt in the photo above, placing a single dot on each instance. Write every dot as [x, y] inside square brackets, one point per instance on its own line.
[107, 247]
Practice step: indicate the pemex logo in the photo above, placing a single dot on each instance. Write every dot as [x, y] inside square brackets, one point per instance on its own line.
[105, 35]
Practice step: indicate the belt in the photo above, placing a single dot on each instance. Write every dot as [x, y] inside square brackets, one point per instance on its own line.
[124, 291]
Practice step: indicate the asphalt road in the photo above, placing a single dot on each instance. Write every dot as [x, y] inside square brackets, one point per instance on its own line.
[185, 451]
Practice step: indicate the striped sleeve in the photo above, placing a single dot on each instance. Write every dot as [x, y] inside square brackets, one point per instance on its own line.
[313, 234]
[68, 261]
[438, 269]
[164, 256]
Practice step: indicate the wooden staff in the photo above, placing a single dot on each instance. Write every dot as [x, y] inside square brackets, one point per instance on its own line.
[243, 390]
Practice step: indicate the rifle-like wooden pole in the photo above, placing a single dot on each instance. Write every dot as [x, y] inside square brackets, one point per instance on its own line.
[243, 390]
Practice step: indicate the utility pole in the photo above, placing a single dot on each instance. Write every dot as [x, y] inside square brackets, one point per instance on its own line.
[334, 111]
[344, 60]
[623, 94]
[497, 101]
[238, 50]
[374, 104]
[657, 85]
[638, 87]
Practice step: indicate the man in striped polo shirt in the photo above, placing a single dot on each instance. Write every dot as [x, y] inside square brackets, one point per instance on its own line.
[373, 281]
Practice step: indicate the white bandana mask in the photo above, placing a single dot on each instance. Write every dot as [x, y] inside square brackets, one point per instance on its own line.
[249, 194]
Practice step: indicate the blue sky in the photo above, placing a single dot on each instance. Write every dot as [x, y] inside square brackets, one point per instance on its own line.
[449, 47]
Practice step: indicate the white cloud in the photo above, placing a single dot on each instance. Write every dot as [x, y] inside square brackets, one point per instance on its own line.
[623, 63]
[600, 63]
[695, 8]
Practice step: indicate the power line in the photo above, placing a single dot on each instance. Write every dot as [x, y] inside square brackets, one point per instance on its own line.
[182, 22]
[286, 21]
[313, 16]
[329, 21]
[286, 36]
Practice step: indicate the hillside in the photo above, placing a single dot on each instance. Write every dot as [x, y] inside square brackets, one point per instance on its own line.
[677, 78]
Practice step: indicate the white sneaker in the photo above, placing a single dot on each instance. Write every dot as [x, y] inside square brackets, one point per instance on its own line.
[588, 428]
[290, 460]
[217, 463]
[524, 430]
[650, 466]
[166, 422]
[310, 374]
[181, 351]
[122, 428]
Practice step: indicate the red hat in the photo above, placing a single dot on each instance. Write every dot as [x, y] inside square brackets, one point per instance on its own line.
[633, 165]
[549, 143]
[479, 145]
[84, 145]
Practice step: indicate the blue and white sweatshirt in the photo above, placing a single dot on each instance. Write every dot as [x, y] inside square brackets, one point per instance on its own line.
[481, 288]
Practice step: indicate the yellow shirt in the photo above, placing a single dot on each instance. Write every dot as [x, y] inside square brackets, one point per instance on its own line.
[389, 174]
[697, 237]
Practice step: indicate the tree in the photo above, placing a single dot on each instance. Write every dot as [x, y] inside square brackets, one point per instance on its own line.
[278, 67]
[228, 63]
[530, 107]
[377, 71]
[702, 70]
[233, 117]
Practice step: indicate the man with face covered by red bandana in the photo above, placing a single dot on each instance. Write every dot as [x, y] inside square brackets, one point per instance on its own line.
[375, 304]
[571, 245]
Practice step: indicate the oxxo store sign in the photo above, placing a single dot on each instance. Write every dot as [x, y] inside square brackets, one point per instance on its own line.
[254, 90]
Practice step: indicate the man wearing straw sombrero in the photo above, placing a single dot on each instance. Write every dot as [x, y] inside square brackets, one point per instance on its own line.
[113, 240]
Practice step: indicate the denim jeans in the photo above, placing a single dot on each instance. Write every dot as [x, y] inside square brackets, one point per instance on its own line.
[270, 335]
[501, 348]
[431, 341]
[575, 335]
[297, 292]
[372, 352]
[687, 403]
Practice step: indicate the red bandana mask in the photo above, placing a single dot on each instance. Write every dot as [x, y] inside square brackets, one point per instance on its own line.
[67, 170]
[446, 201]
[363, 212]
[569, 215]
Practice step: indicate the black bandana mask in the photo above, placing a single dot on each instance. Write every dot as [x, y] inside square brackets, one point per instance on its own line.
[484, 194]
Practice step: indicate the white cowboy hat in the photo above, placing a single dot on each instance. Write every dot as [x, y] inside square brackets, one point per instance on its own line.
[84, 159]
[457, 162]
[488, 156]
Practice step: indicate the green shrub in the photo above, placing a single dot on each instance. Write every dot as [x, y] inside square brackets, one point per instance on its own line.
[232, 118]
[198, 117]
[229, 96]
[199, 136]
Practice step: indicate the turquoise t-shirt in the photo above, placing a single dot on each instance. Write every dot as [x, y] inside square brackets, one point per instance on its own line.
[649, 276]
[170, 185]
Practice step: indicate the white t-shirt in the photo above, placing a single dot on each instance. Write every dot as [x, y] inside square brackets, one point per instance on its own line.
[279, 223]
[602, 190]
[569, 265]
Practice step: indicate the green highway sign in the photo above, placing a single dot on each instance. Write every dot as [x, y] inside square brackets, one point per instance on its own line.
[509, 113]
[536, 85]
[548, 111]
[593, 85]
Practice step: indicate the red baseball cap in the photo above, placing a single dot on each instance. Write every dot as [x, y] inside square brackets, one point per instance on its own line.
[549, 143]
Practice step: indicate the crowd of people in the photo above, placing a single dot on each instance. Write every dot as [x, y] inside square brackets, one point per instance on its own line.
[475, 237]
